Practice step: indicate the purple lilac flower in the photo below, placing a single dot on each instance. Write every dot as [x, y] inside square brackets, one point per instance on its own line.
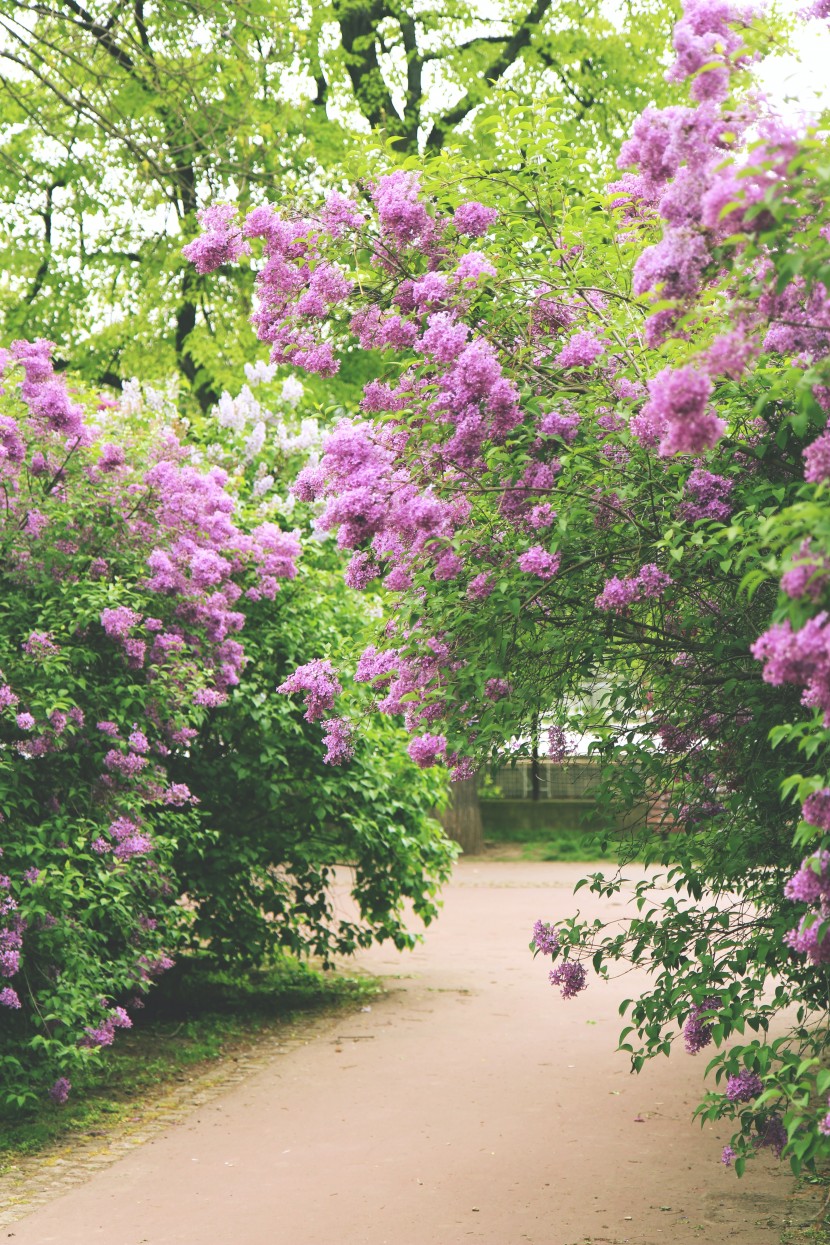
[448, 566]
[545, 937]
[618, 594]
[537, 561]
[727, 1155]
[481, 586]
[808, 578]
[698, 1033]
[40, 644]
[799, 657]
[402, 216]
[360, 572]
[557, 744]
[816, 809]
[318, 681]
[8, 997]
[209, 698]
[678, 401]
[812, 882]
[25, 721]
[807, 940]
[59, 1092]
[9, 963]
[581, 350]
[474, 219]
[496, 689]
[138, 741]
[128, 764]
[708, 496]
[774, 1135]
[744, 1087]
[425, 750]
[557, 424]
[817, 460]
[571, 976]
[7, 697]
[221, 240]
[120, 621]
[340, 214]
[339, 741]
[472, 266]
[178, 793]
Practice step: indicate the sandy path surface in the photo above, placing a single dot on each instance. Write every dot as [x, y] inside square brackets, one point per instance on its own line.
[472, 1104]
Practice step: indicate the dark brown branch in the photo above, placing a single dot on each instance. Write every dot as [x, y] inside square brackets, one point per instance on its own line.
[358, 21]
[518, 41]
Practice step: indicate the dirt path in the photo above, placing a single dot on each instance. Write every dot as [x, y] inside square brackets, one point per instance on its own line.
[471, 1104]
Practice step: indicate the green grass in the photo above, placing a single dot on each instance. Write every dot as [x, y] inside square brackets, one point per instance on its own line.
[528, 844]
[195, 1015]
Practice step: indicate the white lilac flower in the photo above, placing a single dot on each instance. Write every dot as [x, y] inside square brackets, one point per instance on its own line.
[227, 414]
[260, 373]
[131, 400]
[256, 440]
[292, 390]
[262, 485]
[154, 398]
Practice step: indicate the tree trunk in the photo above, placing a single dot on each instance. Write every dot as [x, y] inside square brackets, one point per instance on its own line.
[535, 772]
[462, 820]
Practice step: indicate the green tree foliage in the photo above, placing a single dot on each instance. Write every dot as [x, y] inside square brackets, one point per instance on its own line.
[119, 120]
[278, 818]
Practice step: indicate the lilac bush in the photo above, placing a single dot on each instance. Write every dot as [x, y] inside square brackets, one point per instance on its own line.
[124, 576]
[588, 470]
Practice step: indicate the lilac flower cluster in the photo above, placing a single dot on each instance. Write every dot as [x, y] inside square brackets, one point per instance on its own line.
[619, 594]
[809, 576]
[497, 689]
[697, 1033]
[705, 44]
[582, 350]
[708, 496]
[571, 976]
[59, 1092]
[339, 741]
[744, 1086]
[816, 809]
[126, 840]
[537, 561]
[474, 219]
[297, 287]
[677, 411]
[103, 1034]
[545, 937]
[318, 681]
[425, 750]
[773, 1135]
[221, 240]
[801, 657]
[51, 409]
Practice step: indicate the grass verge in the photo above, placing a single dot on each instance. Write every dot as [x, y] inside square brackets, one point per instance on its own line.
[556, 845]
[195, 1016]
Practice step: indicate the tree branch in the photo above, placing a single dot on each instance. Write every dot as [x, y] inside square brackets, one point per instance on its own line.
[518, 41]
[358, 21]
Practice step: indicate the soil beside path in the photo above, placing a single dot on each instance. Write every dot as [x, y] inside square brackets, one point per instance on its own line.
[471, 1104]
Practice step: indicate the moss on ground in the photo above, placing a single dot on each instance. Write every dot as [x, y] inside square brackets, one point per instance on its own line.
[197, 1015]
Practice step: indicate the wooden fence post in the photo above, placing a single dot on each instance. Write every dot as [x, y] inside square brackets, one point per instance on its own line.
[462, 820]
